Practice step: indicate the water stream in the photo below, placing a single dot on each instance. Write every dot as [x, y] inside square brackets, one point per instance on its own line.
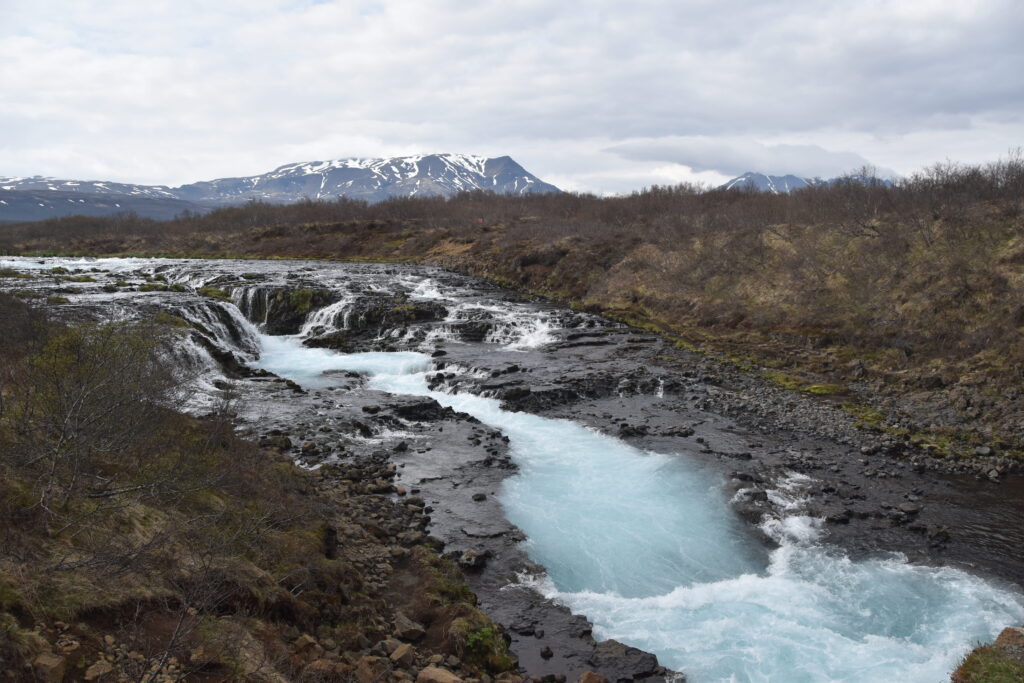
[645, 545]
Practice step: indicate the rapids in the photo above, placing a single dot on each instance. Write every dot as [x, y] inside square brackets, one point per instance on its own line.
[645, 545]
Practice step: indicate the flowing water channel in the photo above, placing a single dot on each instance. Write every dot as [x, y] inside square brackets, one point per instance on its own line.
[647, 547]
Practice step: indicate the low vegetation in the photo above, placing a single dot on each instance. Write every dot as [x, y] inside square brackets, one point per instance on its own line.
[141, 541]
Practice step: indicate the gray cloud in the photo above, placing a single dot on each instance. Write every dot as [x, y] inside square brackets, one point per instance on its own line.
[734, 158]
[601, 95]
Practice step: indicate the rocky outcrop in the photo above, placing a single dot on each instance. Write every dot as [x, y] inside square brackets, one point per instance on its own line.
[283, 310]
[373, 320]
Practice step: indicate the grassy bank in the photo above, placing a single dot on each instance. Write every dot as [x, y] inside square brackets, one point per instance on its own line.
[142, 544]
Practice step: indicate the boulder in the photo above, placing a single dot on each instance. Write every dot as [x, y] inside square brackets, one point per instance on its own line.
[623, 661]
[98, 670]
[49, 667]
[404, 655]
[372, 669]
[591, 677]
[408, 630]
[435, 674]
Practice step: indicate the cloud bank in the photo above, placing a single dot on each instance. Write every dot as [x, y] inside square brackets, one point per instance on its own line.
[598, 96]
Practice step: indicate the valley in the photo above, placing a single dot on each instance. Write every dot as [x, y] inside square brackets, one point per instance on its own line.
[590, 479]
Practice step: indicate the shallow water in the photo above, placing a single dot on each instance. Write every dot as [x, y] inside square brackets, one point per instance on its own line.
[646, 546]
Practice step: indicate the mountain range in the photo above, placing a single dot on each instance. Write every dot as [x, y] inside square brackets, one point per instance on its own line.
[784, 184]
[371, 180]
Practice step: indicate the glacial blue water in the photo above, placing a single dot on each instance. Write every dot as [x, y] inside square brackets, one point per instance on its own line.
[646, 546]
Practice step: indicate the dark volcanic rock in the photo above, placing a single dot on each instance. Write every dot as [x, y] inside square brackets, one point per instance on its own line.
[623, 663]
[282, 310]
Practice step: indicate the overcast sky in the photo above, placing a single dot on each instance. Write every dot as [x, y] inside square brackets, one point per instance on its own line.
[592, 96]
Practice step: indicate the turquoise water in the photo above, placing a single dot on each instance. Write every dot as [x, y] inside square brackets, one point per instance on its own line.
[646, 546]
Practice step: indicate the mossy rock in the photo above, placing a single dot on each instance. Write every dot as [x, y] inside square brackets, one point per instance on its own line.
[482, 644]
[211, 292]
[285, 310]
[12, 273]
[988, 665]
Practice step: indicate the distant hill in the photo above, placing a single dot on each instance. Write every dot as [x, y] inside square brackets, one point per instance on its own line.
[372, 180]
[776, 184]
[34, 205]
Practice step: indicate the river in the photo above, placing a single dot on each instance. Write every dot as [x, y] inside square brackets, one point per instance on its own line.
[644, 542]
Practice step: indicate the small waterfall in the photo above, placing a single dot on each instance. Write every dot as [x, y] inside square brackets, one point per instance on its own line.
[223, 325]
[327, 319]
[253, 302]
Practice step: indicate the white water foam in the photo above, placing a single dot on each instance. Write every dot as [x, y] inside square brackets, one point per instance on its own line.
[646, 547]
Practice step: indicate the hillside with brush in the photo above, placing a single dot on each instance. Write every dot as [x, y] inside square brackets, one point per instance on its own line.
[141, 544]
[903, 302]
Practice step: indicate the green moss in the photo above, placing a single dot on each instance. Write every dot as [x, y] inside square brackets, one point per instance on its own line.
[824, 389]
[446, 584]
[80, 278]
[11, 272]
[213, 293]
[743, 363]
[301, 300]
[988, 665]
[57, 300]
[27, 294]
[164, 318]
[481, 644]
[866, 415]
[784, 380]
[152, 287]
[59, 271]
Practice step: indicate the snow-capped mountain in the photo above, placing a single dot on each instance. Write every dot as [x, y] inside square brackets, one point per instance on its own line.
[783, 184]
[372, 180]
[760, 182]
[92, 187]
